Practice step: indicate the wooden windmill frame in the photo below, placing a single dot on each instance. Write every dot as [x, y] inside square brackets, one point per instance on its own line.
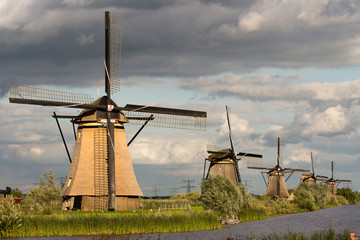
[276, 185]
[311, 177]
[332, 182]
[224, 161]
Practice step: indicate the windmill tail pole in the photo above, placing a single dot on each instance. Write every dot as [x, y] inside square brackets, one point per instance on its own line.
[110, 125]
[142, 127]
[62, 136]
[278, 156]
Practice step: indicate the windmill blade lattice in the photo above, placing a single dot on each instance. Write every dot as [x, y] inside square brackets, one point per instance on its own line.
[116, 26]
[39, 96]
[166, 117]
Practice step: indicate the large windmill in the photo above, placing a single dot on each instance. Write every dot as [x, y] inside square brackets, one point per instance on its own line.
[224, 161]
[101, 175]
[276, 185]
[311, 177]
[333, 183]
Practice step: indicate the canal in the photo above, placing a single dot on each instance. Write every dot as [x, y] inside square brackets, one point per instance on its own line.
[338, 218]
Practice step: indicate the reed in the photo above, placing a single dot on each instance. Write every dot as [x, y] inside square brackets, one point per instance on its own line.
[114, 224]
[328, 234]
[247, 215]
[182, 204]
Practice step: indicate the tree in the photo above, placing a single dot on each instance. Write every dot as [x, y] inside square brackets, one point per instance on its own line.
[16, 193]
[348, 194]
[8, 190]
[46, 195]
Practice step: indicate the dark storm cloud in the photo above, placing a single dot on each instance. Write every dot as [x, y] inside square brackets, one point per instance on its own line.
[62, 42]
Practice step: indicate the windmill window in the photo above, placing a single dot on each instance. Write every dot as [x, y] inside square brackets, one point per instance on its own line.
[69, 182]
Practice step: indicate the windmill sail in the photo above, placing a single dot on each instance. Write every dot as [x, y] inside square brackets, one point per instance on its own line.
[116, 26]
[38, 96]
[166, 117]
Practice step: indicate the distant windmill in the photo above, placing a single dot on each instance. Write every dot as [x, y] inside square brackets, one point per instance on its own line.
[333, 183]
[276, 185]
[101, 175]
[311, 177]
[224, 161]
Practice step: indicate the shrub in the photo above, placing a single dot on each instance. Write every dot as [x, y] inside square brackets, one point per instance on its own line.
[10, 215]
[333, 200]
[321, 194]
[221, 195]
[307, 196]
[280, 206]
[304, 199]
[342, 200]
[348, 194]
[192, 197]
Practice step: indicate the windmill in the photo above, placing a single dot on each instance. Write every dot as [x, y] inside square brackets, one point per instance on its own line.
[311, 177]
[276, 185]
[333, 183]
[224, 161]
[101, 175]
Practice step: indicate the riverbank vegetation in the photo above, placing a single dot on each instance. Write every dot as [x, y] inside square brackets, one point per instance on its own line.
[229, 200]
[40, 212]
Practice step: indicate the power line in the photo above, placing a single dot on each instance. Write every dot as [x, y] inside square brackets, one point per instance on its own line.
[189, 186]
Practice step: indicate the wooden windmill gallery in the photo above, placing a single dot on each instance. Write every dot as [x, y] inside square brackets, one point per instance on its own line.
[101, 175]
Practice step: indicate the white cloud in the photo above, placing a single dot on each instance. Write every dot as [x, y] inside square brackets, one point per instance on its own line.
[300, 154]
[267, 88]
[251, 22]
[77, 3]
[82, 39]
[37, 150]
[333, 120]
[170, 149]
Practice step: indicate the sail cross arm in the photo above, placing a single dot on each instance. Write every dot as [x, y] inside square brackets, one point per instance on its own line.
[249, 155]
[345, 181]
[162, 110]
[166, 117]
[296, 170]
[55, 103]
[255, 167]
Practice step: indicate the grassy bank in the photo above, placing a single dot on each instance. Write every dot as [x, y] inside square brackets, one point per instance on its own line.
[114, 224]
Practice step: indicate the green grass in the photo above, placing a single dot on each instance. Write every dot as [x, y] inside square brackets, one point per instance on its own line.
[69, 224]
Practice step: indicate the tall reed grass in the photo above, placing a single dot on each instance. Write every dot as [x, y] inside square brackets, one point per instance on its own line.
[328, 234]
[182, 204]
[247, 215]
[117, 224]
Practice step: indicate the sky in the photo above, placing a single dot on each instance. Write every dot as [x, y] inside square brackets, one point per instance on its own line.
[286, 69]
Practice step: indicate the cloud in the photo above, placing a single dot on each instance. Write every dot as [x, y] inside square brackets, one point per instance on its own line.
[177, 39]
[251, 22]
[333, 120]
[170, 149]
[83, 39]
[271, 88]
